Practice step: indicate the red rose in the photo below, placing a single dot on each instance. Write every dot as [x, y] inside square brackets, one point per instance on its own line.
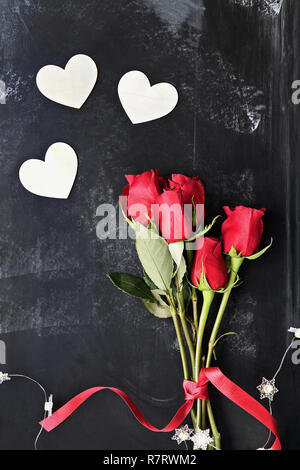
[209, 257]
[142, 193]
[242, 229]
[175, 220]
[192, 190]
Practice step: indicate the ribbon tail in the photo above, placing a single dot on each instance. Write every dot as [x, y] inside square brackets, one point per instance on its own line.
[66, 411]
[243, 400]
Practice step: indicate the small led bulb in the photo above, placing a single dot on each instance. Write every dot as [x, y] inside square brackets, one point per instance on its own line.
[267, 389]
[182, 434]
[202, 439]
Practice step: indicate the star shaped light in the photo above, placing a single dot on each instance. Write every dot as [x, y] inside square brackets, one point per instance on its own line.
[182, 434]
[267, 389]
[202, 439]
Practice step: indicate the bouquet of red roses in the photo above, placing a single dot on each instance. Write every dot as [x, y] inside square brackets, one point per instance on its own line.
[184, 270]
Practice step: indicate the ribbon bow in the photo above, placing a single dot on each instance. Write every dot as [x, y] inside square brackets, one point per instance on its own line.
[192, 391]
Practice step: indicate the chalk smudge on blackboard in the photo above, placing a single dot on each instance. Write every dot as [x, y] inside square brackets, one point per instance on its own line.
[46, 256]
[176, 12]
[223, 95]
[241, 322]
[238, 186]
[18, 87]
[266, 7]
[214, 89]
[52, 310]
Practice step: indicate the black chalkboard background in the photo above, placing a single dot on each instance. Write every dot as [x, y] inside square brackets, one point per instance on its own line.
[235, 126]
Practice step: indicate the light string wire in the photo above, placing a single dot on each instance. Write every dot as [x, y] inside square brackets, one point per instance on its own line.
[45, 396]
[46, 399]
[283, 359]
[273, 378]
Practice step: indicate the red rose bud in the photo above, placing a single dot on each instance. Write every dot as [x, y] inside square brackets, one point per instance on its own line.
[242, 230]
[208, 256]
[192, 188]
[142, 193]
[192, 191]
[173, 218]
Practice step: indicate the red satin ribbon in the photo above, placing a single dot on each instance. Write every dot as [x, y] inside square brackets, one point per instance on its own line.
[192, 391]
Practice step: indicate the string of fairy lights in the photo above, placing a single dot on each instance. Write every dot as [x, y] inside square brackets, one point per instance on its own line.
[201, 438]
[48, 401]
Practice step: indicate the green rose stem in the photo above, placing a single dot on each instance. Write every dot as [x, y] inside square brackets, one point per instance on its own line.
[182, 350]
[216, 434]
[235, 266]
[236, 263]
[195, 306]
[208, 296]
[181, 344]
[190, 256]
[181, 312]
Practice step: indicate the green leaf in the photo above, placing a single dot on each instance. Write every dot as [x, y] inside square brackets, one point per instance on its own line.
[223, 336]
[174, 291]
[126, 218]
[157, 310]
[202, 232]
[148, 281]
[181, 271]
[187, 292]
[131, 285]
[220, 337]
[228, 263]
[157, 294]
[154, 254]
[160, 297]
[260, 253]
[203, 284]
[236, 283]
[234, 254]
[152, 224]
[176, 250]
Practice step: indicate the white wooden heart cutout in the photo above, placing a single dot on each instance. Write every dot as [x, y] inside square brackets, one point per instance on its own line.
[143, 102]
[53, 177]
[70, 86]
